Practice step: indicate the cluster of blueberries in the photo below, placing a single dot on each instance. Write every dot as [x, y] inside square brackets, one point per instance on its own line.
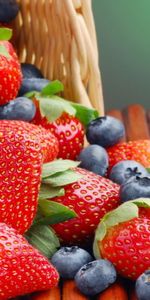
[93, 276]
[23, 108]
[133, 178]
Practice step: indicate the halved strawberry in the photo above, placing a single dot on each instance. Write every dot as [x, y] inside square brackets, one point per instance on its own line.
[23, 269]
[133, 150]
[123, 237]
[23, 148]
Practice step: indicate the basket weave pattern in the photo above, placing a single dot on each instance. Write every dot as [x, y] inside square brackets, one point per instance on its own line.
[59, 37]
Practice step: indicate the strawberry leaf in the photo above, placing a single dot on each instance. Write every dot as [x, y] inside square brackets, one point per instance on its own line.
[123, 213]
[44, 239]
[141, 202]
[5, 34]
[4, 52]
[52, 213]
[52, 88]
[85, 114]
[58, 166]
[63, 178]
[53, 107]
[48, 192]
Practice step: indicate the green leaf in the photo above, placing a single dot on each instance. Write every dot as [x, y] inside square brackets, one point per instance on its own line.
[53, 107]
[48, 192]
[123, 213]
[4, 52]
[31, 94]
[5, 34]
[53, 213]
[57, 166]
[85, 114]
[52, 88]
[63, 178]
[148, 170]
[141, 202]
[44, 239]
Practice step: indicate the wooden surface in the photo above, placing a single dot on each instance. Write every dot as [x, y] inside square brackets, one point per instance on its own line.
[137, 124]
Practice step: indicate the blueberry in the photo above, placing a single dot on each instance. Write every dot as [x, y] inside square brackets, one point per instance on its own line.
[8, 10]
[68, 260]
[30, 71]
[32, 84]
[142, 286]
[94, 158]
[135, 187]
[18, 109]
[125, 169]
[95, 277]
[105, 131]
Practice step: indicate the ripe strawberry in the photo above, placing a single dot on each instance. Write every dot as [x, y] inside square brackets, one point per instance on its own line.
[126, 238]
[10, 73]
[23, 147]
[133, 150]
[23, 269]
[69, 131]
[90, 197]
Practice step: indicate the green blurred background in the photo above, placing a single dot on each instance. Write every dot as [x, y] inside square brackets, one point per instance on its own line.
[123, 32]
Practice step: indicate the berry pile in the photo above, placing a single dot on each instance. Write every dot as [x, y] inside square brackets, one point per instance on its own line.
[69, 211]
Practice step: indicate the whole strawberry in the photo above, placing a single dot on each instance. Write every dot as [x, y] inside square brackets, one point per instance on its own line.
[10, 73]
[90, 197]
[68, 130]
[23, 148]
[133, 150]
[123, 237]
[23, 269]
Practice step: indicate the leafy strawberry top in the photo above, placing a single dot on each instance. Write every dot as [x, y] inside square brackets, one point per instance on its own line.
[55, 175]
[125, 212]
[52, 106]
[5, 35]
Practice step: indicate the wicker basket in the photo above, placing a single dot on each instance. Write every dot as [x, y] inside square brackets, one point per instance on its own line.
[59, 37]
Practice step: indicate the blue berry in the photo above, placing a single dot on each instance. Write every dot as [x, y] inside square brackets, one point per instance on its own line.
[68, 260]
[32, 84]
[135, 187]
[8, 10]
[125, 169]
[20, 108]
[30, 71]
[94, 158]
[95, 277]
[105, 131]
[142, 286]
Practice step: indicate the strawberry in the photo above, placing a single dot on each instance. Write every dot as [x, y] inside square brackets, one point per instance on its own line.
[23, 147]
[133, 150]
[68, 130]
[123, 237]
[10, 73]
[91, 196]
[23, 269]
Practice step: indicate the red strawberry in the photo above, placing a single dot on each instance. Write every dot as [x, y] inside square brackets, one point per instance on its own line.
[23, 147]
[90, 197]
[133, 150]
[23, 269]
[10, 73]
[123, 237]
[69, 131]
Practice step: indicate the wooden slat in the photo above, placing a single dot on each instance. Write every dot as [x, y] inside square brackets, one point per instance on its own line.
[70, 291]
[53, 294]
[136, 122]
